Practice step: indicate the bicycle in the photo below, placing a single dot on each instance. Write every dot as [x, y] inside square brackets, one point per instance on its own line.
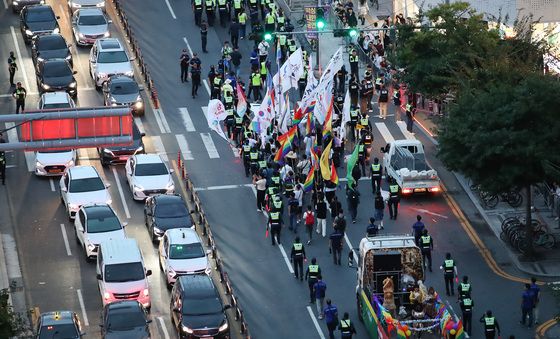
[513, 198]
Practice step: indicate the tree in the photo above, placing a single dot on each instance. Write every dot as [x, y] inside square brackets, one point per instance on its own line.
[11, 323]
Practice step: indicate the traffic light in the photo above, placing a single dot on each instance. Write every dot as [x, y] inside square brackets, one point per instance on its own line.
[267, 36]
[345, 32]
[320, 19]
[352, 32]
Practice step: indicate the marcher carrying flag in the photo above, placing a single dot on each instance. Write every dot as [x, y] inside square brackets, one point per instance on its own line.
[327, 125]
[324, 164]
[352, 161]
[285, 141]
[334, 175]
[241, 101]
[308, 184]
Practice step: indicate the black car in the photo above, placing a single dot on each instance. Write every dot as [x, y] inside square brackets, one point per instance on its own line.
[165, 211]
[36, 20]
[59, 324]
[17, 5]
[120, 154]
[125, 319]
[56, 75]
[121, 90]
[50, 46]
[197, 310]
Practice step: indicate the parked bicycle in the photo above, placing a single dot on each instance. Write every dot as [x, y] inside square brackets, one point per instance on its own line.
[514, 233]
[489, 200]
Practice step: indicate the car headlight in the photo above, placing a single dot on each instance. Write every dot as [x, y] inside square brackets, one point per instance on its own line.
[75, 5]
[138, 188]
[107, 151]
[109, 201]
[146, 292]
[80, 35]
[223, 327]
[101, 4]
[45, 86]
[106, 34]
[72, 84]
[138, 105]
[28, 32]
[129, 73]
[69, 163]
[73, 206]
[38, 164]
[91, 246]
[56, 30]
[106, 295]
[187, 329]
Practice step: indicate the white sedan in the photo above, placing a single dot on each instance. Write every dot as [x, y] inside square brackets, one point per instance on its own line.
[82, 185]
[94, 224]
[147, 175]
[181, 253]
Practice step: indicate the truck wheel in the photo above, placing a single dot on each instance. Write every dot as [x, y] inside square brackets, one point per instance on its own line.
[359, 308]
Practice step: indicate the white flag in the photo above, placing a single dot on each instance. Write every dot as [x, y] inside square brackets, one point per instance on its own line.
[265, 114]
[286, 115]
[215, 114]
[312, 82]
[290, 72]
[345, 115]
[334, 65]
[323, 101]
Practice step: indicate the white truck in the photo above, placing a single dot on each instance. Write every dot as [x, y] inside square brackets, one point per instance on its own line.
[405, 161]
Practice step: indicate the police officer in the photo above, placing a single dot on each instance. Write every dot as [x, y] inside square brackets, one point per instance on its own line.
[292, 46]
[269, 21]
[197, 8]
[227, 94]
[354, 90]
[376, 172]
[255, 87]
[19, 94]
[464, 288]
[184, 60]
[369, 93]
[362, 155]
[427, 245]
[238, 130]
[2, 161]
[491, 325]
[282, 41]
[467, 305]
[254, 160]
[278, 204]
[263, 70]
[346, 327]
[366, 125]
[394, 198]
[354, 116]
[280, 20]
[449, 273]
[216, 86]
[298, 255]
[230, 121]
[275, 224]
[245, 151]
[354, 64]
[242, 19]
[378, 81]
[276, 180]
[196, 67]
[12, 68]
[311, 274]
[223, 10]
[210, 6]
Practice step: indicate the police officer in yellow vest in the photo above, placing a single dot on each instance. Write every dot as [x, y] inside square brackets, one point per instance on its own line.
[254, 160]
[491, 325]
[275, 224]
[255, 87]
[230, 121]
[394, 198]
[238, 130]
[311, 274]
[283, 42]
[298, 255]
[242, 19]
[464, 288]
[237, 7]
[263, 71]
[269, 22]
[346, 327]
[275, 179]
[292, 46]
[426, 245]
[376, 172]
[449, 273]
[378, 82]
[280, 20]
[365, 123]
[197, 8]
[216, 86]
[210, 6]
[223, 10]
[362, 157]
[277, 204]
[354, 64]
[467, 305]
[354, 116]
[245, 151]
[227, 94]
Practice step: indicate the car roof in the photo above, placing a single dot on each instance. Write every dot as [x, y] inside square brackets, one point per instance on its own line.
[89, 12]
[99, 211]
[148, 159]
[198, 286]
[51, 36]
[57, 317]
[120, 251]
[82, 172]
[58, 97]
[110, 44]
[182, 236]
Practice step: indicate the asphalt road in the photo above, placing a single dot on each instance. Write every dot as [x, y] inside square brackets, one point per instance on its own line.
[57, 277]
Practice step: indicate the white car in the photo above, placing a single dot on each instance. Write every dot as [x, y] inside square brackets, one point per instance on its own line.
[108, 57]
[88, 25]
[73, 5]
[82, 185]
[147, 175]
[180, 253]
[94, 224]
[51, 163]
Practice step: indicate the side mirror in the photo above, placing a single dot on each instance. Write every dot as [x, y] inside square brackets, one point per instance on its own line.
[142, 134]
[382, 149]
[75, 72]
[99, 277]
[140, 87]
[171, 170]
[124, 224]
[227, 307]
[109, 21]
[148, 273]
[63, 189]
[107, 185]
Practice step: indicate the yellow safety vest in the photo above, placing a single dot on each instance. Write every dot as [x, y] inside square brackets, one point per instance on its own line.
[270, 19]
[256, 79]
[375, 167]
[242, 18]
[217, 81]
[298, 246]
[275, 216]
[263, 68]
[353, 58]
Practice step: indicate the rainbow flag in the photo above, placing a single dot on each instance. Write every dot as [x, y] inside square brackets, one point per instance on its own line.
[308, 184]
[288, 135]
[327, 125]
[314, 156]
[298, 116]
[285, 148]
[309, 126]
[310, 108]
[401, 331]
[334, 175]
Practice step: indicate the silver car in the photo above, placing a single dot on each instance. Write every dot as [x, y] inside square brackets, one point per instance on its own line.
[88, 25]
[108, 57]
[74, 5]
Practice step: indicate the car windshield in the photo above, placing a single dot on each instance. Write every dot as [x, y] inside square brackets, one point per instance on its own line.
[124, 88]
[51, 44]
[91, 20]
[52, 106]
[59, 331]
[125, 319]
[186, 251]
[150, 169]
[201, 306]
[40, 16]
[112, 57]
[124, 272]
[56, 69]
[105, 221]
[56, 151]
[86, 185]
[171, 210]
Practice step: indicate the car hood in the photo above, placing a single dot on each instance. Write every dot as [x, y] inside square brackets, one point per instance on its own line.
[114, 68]
[58, 81]
[41, 26]
[188, 265]
[132, 148]
[101, 196]
[125, 98]
[98, 238]
[134, 333]
[53, 54]
[153, 181]
[56, 158]
[165, 224]
[201, 322]
[92, 30]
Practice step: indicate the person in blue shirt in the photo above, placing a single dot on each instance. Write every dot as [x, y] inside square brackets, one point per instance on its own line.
[527, 304]
[417, 229]
[331, 317]
[536, 290]
[336, 245]
[372, 228]
[320, 289]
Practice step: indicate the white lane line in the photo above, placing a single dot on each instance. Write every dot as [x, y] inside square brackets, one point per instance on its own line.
[170, 9]
[5, 4]
[83, 307]
[163, 327]
[317, 327]
[351, 248]
[51, 182]
[205, 82]
[121, 193]
[187, 121]
[21, 65]
[288, 263]
[10, 256]
[188, 46]
[30, 160]
[160, 149]
[384, 132]
[222, 187]
[210, 146]
[184, 147]
[234, 150]
[65, 238]
[407, 134]
[140, 125]
[13, 137]
[161, 121]
[83, 157]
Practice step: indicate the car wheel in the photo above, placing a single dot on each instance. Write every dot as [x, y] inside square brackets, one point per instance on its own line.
[153, 236]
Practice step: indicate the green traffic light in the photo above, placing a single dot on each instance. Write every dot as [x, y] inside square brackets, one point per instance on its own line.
[320, 24]
[352, 33]
[267, 36]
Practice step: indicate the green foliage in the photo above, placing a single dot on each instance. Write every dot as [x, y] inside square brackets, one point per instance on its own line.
[11, 323]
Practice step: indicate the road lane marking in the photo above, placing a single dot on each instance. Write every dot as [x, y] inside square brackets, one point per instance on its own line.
[422, 210]
[5, 4]
[140, 125]
[65, 238]
[21, 65]
[121, 193]
[163, 327]
[188, 46]
[161, 121]
[234, 150]
[160, 149]
[170, 9]
[13, 138]
[210, 146]
[11, 256]
[384, 132]
[83, 307]
[222, 187]
[184, 147]
[288, 263]
[187, 121]
[351, 248]
[407, 134]
[317, 327]
[51, 182]
[205, 82]
[83, 157]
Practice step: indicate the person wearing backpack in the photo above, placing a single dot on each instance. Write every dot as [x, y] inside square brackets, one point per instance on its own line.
[353, 197]
[379, 205]
[309, 218]
[321, 210]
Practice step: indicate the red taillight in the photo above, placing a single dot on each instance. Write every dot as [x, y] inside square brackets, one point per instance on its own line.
[434, 189]
[406, 190]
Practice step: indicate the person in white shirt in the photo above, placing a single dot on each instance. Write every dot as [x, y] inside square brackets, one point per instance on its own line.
[260, 185]
[263, 50]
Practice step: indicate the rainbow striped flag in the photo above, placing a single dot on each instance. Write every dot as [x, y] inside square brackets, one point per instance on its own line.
[285, 148]
[288, 135]
[334, 175]
[309, 126]
[327, 125]
[308, 184]
[298, 116]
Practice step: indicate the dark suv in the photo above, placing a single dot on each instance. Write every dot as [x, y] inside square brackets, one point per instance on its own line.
[120, 154]
[125, 319]
[197, 310]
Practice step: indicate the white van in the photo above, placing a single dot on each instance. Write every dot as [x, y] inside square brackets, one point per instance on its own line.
[121, 274]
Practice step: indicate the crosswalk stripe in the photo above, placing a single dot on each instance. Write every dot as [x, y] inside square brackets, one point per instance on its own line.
[140, 125]
[384, 131]
[206, 86]
[187, 121]
[161, 121]
[210, 146]
[184, 147]
[407, 134]
[160, 149]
